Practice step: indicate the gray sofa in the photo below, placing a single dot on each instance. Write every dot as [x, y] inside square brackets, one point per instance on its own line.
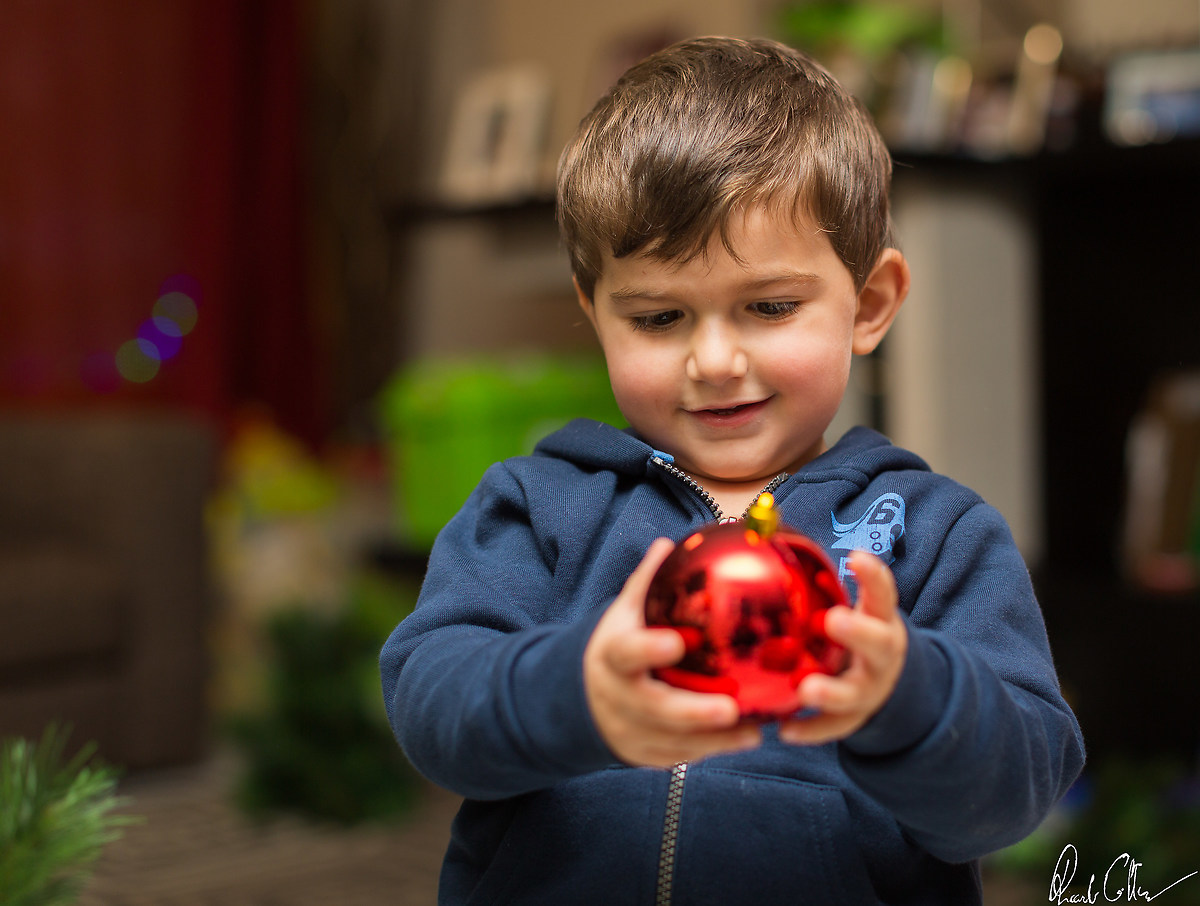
[104, 595]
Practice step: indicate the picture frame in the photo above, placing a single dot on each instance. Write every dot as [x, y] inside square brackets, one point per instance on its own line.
[1153, 97]
[497, 139]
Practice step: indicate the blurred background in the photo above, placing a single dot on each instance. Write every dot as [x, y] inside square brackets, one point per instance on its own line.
[279, 279]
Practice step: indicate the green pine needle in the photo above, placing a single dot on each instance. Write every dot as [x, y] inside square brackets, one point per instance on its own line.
[55, 819]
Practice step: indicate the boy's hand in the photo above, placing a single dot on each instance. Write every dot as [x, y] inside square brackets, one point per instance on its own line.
[645, 721]
[877, 640]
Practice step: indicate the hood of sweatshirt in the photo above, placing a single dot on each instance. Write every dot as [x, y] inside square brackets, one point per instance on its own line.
[859, 456]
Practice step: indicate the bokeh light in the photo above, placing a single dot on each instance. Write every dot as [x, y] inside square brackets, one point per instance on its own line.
[137, 361]
[159, 338]
[163, 334]
[178, 308]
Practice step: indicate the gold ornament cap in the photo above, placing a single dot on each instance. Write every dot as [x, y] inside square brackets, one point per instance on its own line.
[762, 518]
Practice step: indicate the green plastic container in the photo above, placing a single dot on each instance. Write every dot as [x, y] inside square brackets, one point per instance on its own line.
[448, 420]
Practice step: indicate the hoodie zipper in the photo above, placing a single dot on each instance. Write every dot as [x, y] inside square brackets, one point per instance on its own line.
[670, 834]
[670, 837]
[661, 460]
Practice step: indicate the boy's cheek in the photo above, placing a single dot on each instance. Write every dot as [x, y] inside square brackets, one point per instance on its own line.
[639, 391]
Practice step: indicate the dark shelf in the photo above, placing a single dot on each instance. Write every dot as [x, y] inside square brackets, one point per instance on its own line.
[1094, 157]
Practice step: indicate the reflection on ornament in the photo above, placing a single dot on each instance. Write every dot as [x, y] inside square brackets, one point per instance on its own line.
[749, 600]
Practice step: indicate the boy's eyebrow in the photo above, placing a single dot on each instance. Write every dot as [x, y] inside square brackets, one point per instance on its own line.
[789, 277]
[624, 293]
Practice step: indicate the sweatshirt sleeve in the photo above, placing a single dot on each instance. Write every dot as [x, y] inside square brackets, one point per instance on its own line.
[483, 690]
[976, 744]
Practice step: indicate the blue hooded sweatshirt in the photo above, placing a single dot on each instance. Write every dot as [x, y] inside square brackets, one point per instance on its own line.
[484, 689]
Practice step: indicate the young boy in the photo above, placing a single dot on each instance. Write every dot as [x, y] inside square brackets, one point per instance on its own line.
[725, 208]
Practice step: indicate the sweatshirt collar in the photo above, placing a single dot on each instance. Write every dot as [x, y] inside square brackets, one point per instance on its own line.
[599, 445]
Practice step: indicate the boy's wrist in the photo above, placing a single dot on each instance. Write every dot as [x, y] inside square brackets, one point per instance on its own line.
[915, 705]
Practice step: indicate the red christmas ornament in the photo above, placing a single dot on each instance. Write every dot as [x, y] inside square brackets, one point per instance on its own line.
[750, 600]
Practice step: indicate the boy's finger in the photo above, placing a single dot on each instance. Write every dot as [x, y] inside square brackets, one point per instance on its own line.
[877, 594]
[624, 648]
[686, 711]
[816, 730]
[862, 633]
[671, 749]
[831, 695]
[643, 649]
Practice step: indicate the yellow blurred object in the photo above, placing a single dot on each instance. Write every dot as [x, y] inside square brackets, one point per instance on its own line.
[762, 517]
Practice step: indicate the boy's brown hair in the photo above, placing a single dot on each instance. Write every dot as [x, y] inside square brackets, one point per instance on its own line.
[714, 126]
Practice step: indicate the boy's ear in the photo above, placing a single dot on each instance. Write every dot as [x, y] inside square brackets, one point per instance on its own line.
[585, 302]
[879, 300]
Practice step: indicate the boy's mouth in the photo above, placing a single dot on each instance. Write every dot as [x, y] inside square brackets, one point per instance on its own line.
[730, 410]
[726, 414]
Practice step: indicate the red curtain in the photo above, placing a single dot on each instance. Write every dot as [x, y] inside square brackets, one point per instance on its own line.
[152, 212]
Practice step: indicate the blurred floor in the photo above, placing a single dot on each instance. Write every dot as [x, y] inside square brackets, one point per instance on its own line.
[194, 847]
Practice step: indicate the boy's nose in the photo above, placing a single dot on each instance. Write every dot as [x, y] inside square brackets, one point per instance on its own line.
[716, 356]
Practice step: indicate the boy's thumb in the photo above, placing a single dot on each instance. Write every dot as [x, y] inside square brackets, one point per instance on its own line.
[639, 580]
[873, 580]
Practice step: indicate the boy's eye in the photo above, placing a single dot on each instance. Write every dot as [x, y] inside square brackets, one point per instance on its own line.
[660, 320]
[775, 309]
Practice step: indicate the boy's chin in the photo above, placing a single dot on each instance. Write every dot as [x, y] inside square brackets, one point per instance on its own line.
[730, 474]
[738, 472]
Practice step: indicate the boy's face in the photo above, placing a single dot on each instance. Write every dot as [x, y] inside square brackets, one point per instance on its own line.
[736, 368]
